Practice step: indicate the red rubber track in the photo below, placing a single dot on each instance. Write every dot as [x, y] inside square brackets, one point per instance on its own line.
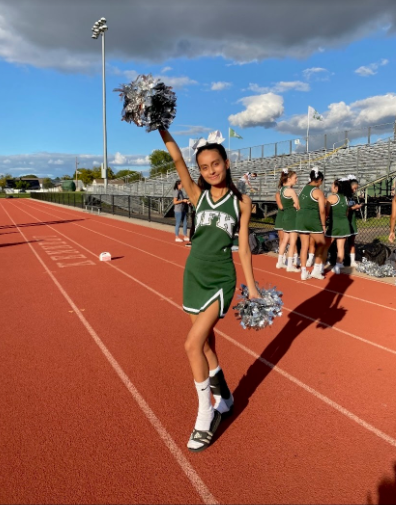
[314, 394]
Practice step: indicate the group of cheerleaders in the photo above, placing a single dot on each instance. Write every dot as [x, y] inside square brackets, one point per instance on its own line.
[317, 220]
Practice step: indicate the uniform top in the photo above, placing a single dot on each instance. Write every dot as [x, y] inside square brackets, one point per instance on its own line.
[246, 177]
[215, 224]
[287, 201]
[306, 199]
[340, 208]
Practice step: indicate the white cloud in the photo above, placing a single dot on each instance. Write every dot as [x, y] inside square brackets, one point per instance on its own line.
[366, 71]
[354, 117]
[315, 72]
[220, 85]
[193, 131]
[261, 110]
[119, 159]
[58, 164]
[280, 87]
[177, 82]
[247, 32]
[166, 69]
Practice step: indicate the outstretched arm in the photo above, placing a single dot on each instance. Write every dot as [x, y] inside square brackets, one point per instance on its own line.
[189, 185]
[245, 254]
[392, 221]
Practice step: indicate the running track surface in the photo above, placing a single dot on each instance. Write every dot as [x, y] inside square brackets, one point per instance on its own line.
[97, 398]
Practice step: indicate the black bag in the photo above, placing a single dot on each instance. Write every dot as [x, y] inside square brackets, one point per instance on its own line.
[254, 243]
[376, 252]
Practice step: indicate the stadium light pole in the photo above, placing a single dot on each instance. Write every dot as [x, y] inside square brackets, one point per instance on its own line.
[99, 28]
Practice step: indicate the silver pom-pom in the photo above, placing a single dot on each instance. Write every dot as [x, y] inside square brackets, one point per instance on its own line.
[371, 268]
[148, 102]
[260, 312]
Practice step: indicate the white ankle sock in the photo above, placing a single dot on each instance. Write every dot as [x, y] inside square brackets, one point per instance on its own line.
[303, 269]
[289, 261]
[353, 257]
[280, 258]
[311, 256]
[212, 373]
[318, 267]
[205, 408]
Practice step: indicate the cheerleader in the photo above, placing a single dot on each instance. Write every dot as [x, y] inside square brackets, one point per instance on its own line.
[209, 276]
[337, 210]
[289, 201]
[311, 224]
[354, 206]
[279, 217]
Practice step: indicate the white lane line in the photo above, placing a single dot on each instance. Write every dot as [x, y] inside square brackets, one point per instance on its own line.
[289, 278]
[352, 335]
[198, 484]
[339, 408]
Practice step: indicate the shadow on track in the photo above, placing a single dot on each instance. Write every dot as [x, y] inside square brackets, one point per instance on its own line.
[323, 307]
[117, 258]
[19, 243]
[39, 223]
[386, 493]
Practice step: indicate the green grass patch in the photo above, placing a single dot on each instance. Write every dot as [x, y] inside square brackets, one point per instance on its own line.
[15, 195]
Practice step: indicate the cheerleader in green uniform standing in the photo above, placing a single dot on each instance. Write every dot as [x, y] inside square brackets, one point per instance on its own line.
[337, 211]
[209, 275]
[354, 206]
[289, 201]
[279, 218]
[311, 224]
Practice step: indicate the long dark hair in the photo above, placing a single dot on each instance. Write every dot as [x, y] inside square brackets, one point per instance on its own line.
[344, 188]
[176, 184]
[205, 185]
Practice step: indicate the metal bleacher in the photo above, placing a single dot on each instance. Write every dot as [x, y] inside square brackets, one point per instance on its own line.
[367, 162]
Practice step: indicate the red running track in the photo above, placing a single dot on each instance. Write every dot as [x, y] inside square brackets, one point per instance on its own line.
[97, 396]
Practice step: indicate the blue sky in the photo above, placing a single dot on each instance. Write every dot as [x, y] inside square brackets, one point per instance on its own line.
[51, 100]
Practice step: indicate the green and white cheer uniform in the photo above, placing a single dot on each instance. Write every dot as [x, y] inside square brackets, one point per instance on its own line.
[308, 217]
[209, 274]
[352, 217]
[278, 226]
[289, 211]
[339, 226]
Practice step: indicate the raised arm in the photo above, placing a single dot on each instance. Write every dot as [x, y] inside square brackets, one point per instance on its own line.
[189, 185]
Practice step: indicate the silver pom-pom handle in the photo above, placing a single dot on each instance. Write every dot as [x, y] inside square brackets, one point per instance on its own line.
[258, 313]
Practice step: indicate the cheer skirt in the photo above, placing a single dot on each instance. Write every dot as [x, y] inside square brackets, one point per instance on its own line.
[308, 221]
[279, 220]
[205, 281]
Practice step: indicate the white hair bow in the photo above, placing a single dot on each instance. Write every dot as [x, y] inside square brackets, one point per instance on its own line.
[316, 171]
[213, 138]
[351, 177]
[285, 170]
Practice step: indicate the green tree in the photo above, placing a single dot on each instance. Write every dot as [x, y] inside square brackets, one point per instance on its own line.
[133, 175]
[3, 178]
[31, 176]
[67, 178]
[21, 184]
[47, 183]
[161, 162]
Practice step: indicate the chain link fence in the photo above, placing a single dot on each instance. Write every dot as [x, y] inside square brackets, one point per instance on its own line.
[373, 220]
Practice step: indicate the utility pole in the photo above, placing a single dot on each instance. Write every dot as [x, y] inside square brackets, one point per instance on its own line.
[76, 173]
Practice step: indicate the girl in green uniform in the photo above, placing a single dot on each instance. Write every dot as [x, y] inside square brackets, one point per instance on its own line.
[290, 205]
[311, 222]
[337, 211]
[354, 206]
[209, 276]
[278, 220]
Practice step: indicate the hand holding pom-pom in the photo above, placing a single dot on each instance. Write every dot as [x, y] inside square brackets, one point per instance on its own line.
[260, 312]
[148, 102]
